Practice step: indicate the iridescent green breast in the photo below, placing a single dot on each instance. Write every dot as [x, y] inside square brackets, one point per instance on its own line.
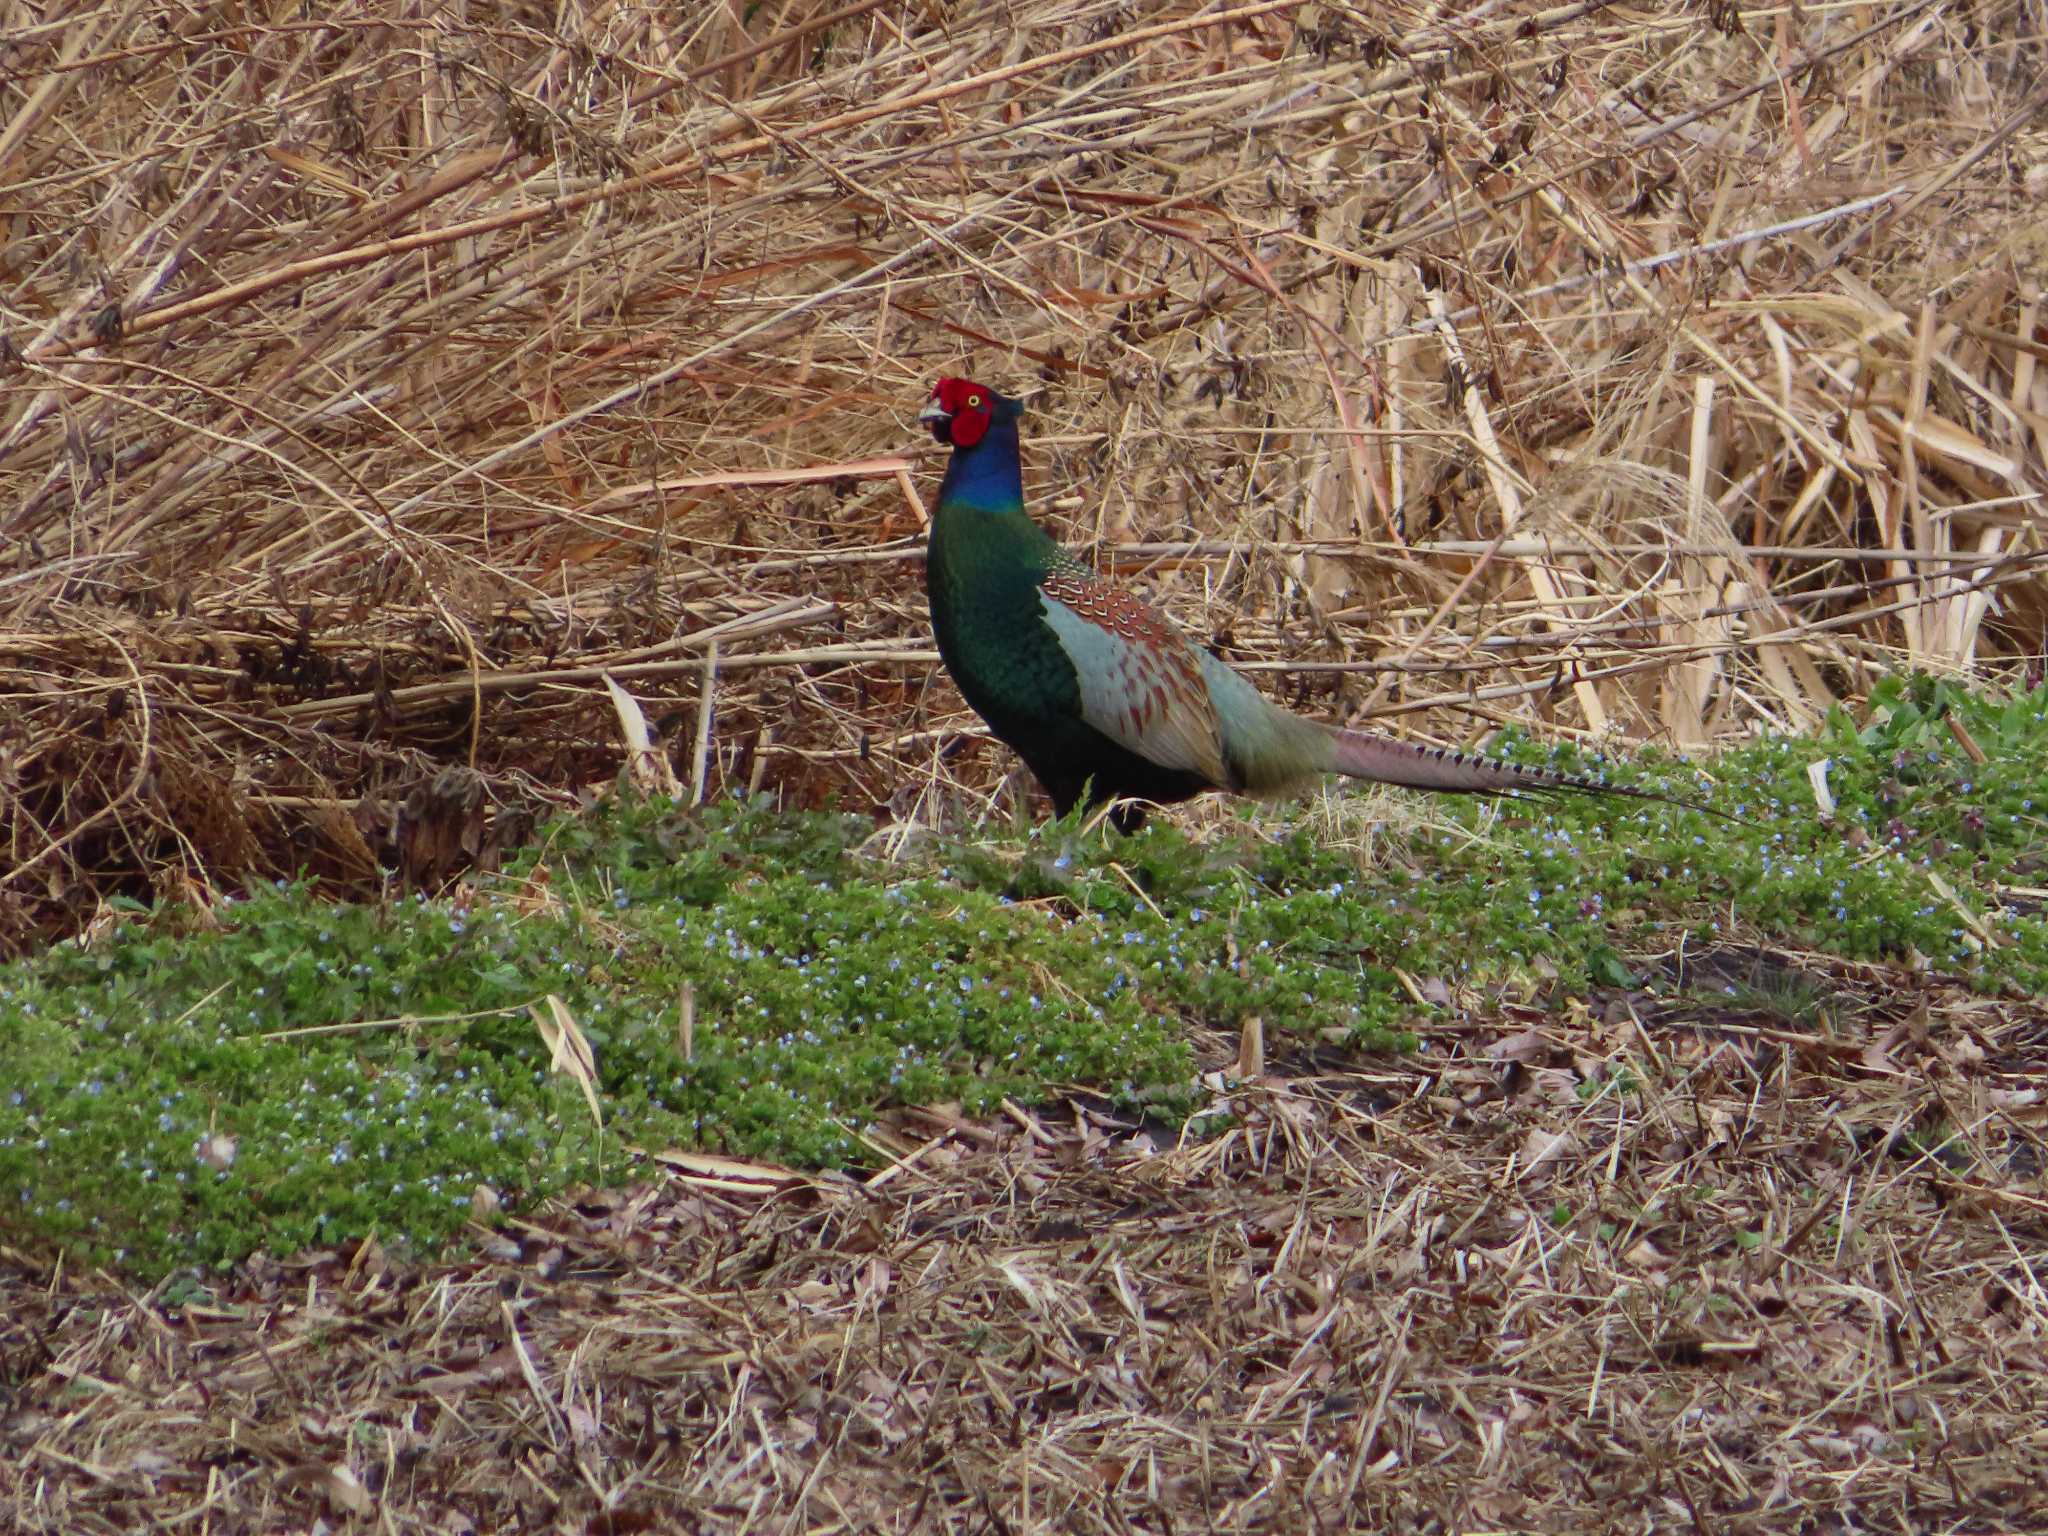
[982, 572]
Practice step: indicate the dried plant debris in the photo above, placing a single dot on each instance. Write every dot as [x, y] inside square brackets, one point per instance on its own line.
[413, 420]
[372, 391]
[1713, 1269]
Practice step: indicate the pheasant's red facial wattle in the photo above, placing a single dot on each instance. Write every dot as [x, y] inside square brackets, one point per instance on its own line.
[959, 412]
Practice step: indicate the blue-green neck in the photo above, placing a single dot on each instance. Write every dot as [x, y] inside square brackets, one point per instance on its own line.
[988, 476]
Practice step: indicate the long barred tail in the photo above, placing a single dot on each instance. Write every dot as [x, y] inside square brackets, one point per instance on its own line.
[1386, 761]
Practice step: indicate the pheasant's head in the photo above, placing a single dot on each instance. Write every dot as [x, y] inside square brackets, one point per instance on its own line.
[959, 411]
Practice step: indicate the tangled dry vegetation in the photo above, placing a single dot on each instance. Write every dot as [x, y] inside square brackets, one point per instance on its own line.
[1450, 1293]
[374, 385]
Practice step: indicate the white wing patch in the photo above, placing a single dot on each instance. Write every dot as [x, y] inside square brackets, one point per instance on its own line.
[1141, 681]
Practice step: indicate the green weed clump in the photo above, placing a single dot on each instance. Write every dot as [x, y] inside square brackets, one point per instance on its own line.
[374, 1064]
[311, 1073]
[1910, 804]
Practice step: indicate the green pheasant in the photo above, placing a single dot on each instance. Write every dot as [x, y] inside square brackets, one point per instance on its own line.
[1103, 698]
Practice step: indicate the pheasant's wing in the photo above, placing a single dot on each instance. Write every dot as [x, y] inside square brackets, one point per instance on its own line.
[1141, 681]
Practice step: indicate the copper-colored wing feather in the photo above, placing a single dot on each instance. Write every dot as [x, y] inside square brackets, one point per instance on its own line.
[1141, 681]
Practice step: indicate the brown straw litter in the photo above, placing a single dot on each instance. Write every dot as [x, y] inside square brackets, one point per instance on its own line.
[1444, 1293]
[412, 417]
[375, 387]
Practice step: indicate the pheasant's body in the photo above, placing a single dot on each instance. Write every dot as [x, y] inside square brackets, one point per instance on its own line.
[1100, 695]
[987, 571]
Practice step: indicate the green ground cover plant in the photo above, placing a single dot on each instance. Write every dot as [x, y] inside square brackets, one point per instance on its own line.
[766, 984]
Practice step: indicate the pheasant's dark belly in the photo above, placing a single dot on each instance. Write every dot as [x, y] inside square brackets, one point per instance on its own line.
[1074, 761]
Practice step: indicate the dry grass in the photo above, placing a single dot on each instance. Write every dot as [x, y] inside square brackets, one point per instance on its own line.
[1749, 1286]
[374, 384]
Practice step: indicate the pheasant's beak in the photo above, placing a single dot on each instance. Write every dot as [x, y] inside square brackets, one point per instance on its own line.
[938, 418]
